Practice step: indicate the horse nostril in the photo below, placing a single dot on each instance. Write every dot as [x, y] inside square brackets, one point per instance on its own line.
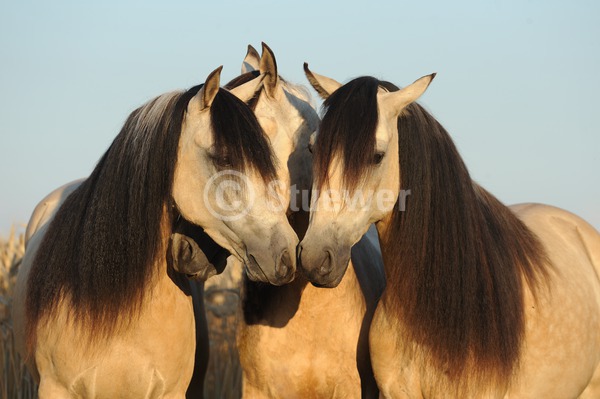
[282, 268]
[325, 268]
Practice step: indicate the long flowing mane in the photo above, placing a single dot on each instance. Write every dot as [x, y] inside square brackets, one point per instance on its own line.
[456, 259]
[348, 125]
[100, 251]
[239, 136]
[245, 78]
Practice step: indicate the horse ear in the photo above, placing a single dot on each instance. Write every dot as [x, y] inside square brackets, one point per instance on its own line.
[211, 88]
[322, 84]
[398, 100]
[268, 66]
[246, 91]
[251, 61]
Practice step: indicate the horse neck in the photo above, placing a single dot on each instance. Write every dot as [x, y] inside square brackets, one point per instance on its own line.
[160, 271]
[275, 306]
[348, 293]
[383, 229]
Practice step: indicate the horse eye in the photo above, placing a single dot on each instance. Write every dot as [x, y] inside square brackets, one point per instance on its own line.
[378, 157]
[224, 161]
[221, 161]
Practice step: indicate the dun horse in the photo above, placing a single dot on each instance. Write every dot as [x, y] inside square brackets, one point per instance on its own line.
[482, 300]
[102, 313]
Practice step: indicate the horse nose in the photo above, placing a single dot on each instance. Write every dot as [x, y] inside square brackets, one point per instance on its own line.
[322, 272]
[284, 266]
[326, 266]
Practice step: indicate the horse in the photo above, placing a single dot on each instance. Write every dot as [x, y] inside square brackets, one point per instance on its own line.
[191, 252]
[299, 319]
[482, 300]
[99, 311]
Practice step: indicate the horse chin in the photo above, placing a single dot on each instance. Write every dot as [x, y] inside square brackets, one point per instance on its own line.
[325, 266]
[329, 284]
[279, 274]
[256, 274]
[331, 279]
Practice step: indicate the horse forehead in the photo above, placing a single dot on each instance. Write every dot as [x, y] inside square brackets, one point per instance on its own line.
[269, 125]
[300, 98]
[286, 112]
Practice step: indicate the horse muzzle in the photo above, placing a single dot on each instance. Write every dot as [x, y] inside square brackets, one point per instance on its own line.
[323, 266]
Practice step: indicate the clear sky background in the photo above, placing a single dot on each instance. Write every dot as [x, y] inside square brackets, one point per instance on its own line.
[518, 81]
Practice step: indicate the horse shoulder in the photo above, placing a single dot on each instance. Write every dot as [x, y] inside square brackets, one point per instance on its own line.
[394, 366]
[148, 359]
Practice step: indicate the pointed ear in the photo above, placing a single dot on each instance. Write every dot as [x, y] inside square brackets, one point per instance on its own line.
[396, 101]
[322, 84]
[268, 66]
[246, 91]
[251, 61]
[209, 91]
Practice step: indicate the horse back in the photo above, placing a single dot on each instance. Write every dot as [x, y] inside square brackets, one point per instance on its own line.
[563, 232]
[46, 208]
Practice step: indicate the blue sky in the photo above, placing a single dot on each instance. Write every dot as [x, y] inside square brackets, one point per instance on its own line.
[517, 84]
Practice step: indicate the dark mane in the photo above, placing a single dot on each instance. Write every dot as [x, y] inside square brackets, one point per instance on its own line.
[240, 80]
[239, 138]
[245, 78]
[350, 116]
[100, 250]
[457, 260]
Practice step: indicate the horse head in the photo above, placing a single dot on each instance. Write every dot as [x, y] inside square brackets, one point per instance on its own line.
[224, 168]
[356, 167]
